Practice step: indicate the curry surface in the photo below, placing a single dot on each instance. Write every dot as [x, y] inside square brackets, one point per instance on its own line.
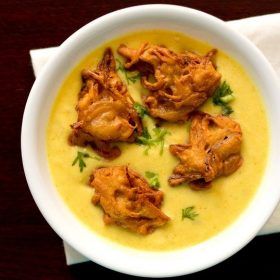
[217, 207]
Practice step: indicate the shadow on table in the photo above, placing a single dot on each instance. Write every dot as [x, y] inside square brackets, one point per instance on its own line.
[257, 257]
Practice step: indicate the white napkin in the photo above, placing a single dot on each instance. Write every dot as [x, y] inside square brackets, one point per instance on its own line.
[263, 31]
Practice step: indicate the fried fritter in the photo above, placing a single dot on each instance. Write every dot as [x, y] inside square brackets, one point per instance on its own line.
[127, 199]
[105, 110]
[213, 150]
[178, 83]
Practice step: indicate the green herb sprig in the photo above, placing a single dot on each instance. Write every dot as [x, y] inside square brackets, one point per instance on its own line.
[133, 78]
[222, 96]
[189, 213]
[140, 109]
[155, 140]
[80, 160]
[153, 179]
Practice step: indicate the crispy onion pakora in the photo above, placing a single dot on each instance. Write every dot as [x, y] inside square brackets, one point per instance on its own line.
[105, 110]
[178, 83]
[127, 199]
[213, 150]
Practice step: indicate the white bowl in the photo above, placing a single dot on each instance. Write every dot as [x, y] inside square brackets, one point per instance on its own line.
[131, 261]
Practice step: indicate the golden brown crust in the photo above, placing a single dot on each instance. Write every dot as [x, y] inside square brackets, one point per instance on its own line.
[213, 150]
[105, 110]
[127, 199]
[181, 82]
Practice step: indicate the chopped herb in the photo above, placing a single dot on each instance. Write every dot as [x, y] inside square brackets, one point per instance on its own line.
[80, 159]
[226, 99]
[160, 135]
[146, 133]
[226, 110]
[129, 78]
[222, 96]
[120, 66]
[153, 179]
[150, 141]
[140, 109]
[189, 213]
[133, 78]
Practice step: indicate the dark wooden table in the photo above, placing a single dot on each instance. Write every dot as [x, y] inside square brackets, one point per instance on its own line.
[29, 248]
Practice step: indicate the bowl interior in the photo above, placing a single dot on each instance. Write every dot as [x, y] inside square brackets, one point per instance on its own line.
[154, 264]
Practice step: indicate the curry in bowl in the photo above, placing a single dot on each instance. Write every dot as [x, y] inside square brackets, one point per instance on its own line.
[157, 141]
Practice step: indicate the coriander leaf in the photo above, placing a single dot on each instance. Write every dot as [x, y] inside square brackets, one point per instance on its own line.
[144, 139]
[153, 179]
[146, 133]
[134, 78]
[222, 96]
[226, 110]
[120, 66]
[155, 140]
[75, 160]
[189, 213]
[80, 159]
[160, 134]
[140, 109]
[129, 78]
[226, 99]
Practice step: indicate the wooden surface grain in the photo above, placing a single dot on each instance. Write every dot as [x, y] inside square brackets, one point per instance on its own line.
[29, 248]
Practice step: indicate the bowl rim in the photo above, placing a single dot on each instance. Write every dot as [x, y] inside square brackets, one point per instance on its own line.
[159, 267]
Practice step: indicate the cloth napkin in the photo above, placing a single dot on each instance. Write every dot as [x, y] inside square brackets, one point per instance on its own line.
[263, 31]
